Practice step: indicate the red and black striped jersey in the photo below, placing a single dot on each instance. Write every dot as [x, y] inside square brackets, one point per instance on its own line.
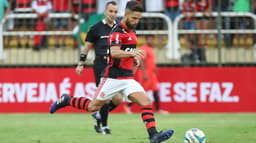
[126, 39]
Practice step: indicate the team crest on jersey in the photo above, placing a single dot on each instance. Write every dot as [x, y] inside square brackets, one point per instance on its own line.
[130, 38]
[124, 30]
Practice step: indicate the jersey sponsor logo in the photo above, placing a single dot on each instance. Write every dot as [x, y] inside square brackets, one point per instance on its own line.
[129, 49]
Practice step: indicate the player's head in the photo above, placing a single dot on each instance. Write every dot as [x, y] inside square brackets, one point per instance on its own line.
[133, 13]
[111, 11]
[149, 40]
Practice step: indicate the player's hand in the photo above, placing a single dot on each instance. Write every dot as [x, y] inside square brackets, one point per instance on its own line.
[141, 54]
[137, 62]
[80, 68]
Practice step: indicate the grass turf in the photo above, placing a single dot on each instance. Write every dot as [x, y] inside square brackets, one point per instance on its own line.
[78, 128]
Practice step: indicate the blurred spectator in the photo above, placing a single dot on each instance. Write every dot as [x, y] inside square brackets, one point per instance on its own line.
[156, 7]
[197, 52]
[88, 8]
[241, 22]
[254, 11]
[195, 55]
[189, 10]
[75, 7]
[204, 6]
[75, 23]
[4, 9]
[225, 6]
[42, 9]
[254, 7]
[172, 8]
[23, 7]
[61, 24]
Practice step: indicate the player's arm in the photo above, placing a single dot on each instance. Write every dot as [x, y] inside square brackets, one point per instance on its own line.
[143, 69]
[7, 10]
[83, 56]
[116, 52]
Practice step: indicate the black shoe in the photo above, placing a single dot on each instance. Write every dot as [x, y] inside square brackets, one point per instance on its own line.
[97, 122]
[105, 131]
[161, 136]
[60, 103]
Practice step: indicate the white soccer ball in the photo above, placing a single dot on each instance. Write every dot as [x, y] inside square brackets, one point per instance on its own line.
[194, 135]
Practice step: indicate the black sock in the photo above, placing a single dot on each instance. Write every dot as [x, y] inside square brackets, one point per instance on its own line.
[111, 106]
[152, 131]
[104, 114]
[156, 98]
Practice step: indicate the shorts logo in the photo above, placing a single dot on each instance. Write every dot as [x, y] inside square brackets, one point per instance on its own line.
[102, 94]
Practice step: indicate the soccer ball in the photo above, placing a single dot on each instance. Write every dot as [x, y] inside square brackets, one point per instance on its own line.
[194, 135]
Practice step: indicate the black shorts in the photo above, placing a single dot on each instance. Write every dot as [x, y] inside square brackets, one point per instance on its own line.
[100, 63]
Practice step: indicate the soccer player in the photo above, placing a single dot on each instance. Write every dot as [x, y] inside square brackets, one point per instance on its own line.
[97, 37]
[118, 76]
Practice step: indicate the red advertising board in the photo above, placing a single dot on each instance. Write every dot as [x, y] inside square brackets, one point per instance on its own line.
[204, 89]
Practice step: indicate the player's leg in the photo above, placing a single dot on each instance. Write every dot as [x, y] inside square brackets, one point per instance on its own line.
[102, 96]
[156, 99]
[157, 103]
[137, 95]
[77, 102]
[100, 117]
[104, 111]
[148, 118]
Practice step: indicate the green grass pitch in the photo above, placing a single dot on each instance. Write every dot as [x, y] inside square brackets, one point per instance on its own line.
[78, 128]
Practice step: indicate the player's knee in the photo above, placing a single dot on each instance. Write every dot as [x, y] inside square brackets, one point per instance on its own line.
[146, 102]
[93, 108]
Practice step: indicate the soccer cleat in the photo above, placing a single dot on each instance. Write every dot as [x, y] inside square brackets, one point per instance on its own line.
[161, 136]
[60, 103]
[105, 131]
[97, 121]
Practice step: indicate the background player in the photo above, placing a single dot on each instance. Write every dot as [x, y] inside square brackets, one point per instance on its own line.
[97, 38]
[146, 74]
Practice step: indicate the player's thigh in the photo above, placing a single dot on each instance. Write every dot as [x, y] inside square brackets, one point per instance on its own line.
[135, 92]
[108, 88]
[140, 98]
[117, 99]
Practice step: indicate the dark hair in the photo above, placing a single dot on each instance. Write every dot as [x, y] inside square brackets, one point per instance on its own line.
[134, 5]
[110, 2]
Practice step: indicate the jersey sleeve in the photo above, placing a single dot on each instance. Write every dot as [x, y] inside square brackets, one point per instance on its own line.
[91, 35]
